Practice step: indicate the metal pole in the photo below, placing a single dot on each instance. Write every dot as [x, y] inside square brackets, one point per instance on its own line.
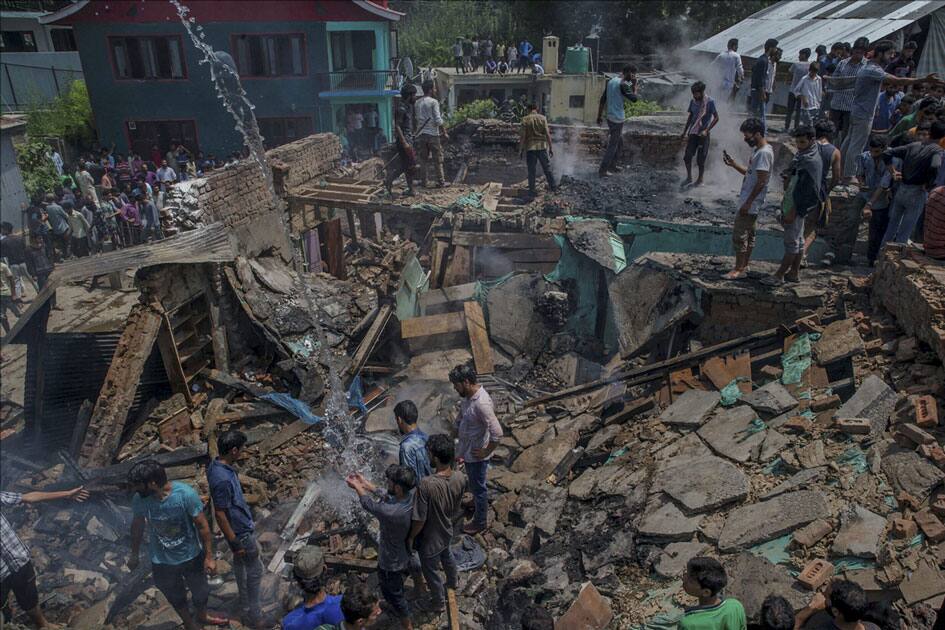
[6, 69]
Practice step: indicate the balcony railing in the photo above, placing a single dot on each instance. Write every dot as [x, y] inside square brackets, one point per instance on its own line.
[360, 81]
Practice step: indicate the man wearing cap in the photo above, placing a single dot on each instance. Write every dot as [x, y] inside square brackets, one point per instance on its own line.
[308, 568]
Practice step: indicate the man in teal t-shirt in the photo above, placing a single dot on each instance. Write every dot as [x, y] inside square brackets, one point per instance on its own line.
[705, 578]
[179, 540]
[616, 90]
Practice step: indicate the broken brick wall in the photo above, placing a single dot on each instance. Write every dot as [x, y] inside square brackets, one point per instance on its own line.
[730, 314]
[912, 287]
[842, 226]
[299, 162]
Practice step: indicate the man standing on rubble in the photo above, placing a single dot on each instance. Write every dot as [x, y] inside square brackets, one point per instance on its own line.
[479, 435]
[728, 67]
[179, 540]
[430, 130]
[393, 512]
[758, 94]
[413, 446]
[620, 88]
[16, 565]
[236, 522]
[752, 196]
[535, 146]
[703, 116]
[436, 507]
[403, 158]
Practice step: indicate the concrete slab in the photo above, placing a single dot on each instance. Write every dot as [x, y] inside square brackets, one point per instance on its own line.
[839, 340]
[702, 484]
[799, 480]
[690, 409]
[760, 522]
[907, 471]
[542, 458]
[771, 399]
[752, 578]
[875, 400]
[662, 520]
[727, 433]
[541, 504]
[860, 533]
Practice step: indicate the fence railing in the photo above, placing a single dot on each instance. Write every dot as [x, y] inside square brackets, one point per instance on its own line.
[361, 80]
[23, 86]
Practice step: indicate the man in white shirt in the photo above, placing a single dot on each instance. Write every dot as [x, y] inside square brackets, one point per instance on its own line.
[728, 66]
[810, 91]
[430, 129]
[798, 71]
[165, 176]
[752, 196]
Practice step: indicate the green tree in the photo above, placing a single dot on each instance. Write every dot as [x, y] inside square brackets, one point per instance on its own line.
[68, 117]
[39, 173]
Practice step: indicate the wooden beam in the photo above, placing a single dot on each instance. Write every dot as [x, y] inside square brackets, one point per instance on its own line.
[478, 337]
[504, 240]
[171, 359]
[366, 347]
[283, 435]
[352, 225]
[432, 325]
[350, 563]
[452, 609]
[490, 196]
[329, 234]
[288, 532]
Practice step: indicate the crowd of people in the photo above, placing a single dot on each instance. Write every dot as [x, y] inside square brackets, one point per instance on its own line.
[419, 510]
[851, 126]
[472, 53]
[106, 201]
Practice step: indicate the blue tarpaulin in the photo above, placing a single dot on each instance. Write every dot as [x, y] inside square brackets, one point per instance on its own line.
[294, 406]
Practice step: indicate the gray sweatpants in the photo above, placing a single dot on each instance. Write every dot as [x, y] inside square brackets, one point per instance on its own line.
[854, 143]
[904, 213]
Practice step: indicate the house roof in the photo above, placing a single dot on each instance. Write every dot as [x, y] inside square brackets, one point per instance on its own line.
[8, 122]
[800, 24]
[209, 10]
[210, 243]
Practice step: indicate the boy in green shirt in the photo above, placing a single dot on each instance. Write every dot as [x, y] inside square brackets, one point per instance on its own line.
[705, 578]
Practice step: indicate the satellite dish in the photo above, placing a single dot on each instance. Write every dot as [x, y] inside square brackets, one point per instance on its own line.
[407, 65]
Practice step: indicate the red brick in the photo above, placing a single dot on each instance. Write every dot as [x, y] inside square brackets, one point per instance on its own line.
[853, 426]
[938, 506]
[589, 611]
[823, 403]
[930, 526]
[815, 574]
[904, 528]
[926, 412]
[917, 435]
[797, 424]
[935, 453]
[811, 534]
[906, 500]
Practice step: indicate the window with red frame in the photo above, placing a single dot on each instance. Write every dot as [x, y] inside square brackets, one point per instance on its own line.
[270, 55]
[157, 57]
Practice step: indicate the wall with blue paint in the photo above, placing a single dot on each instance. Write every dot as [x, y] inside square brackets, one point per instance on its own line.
[114, 101]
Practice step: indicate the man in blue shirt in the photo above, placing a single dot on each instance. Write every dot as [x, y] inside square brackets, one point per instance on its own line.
[875, 191]
[616, 90]
[525, 49]
[236, 522]
[702, 117]
[179, 540]
[308, 568]
[413, 446]
[889, 100]
[758, 94]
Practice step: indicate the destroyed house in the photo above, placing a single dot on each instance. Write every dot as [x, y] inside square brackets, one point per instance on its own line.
[307, 65]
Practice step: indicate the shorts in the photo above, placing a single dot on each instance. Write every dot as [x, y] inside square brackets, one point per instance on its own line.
[743, 232]
[794, 236]
[697, 146]
[23, 585]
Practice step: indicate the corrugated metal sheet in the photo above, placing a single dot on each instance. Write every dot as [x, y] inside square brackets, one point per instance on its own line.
[74, 367]
[800, 24]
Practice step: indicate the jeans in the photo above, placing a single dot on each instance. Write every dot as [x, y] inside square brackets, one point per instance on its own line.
[841, 120]
[614, 146]
[793, 108]
[758, 108]
[879, 221]
[476, 472]
[429, 566]
[809, 116]
[532, 158]
[904, 213]
[392, 588]
[858, 134]
[175, 579]
[248, 570]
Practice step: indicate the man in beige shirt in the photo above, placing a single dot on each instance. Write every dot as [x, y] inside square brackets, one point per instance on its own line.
[535, 146]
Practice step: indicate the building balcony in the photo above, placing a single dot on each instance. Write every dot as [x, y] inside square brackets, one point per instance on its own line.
[359, 83]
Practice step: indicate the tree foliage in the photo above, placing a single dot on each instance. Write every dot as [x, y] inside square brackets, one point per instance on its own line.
[625, 27]
[483, 108]
[68, 117]
[39, 173]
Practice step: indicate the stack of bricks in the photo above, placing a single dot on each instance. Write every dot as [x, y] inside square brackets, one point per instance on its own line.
[843, 225]
[657, 149]
[912, 288]
[234, 195]
[299, 162]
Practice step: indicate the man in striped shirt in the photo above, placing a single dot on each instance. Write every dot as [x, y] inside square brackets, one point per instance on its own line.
[479, 435]
[16, 565]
